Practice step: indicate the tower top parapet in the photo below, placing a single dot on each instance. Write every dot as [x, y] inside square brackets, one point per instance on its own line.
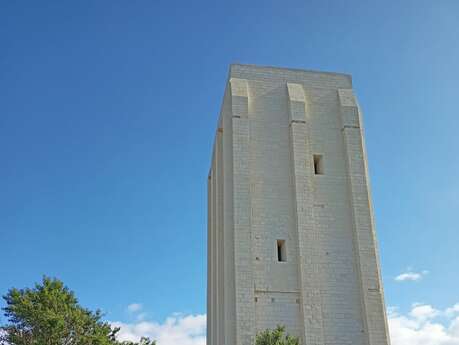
[276, 74]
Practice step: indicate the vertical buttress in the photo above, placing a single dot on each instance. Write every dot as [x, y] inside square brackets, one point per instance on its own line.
[308, 238]
[366, 252]
[245, 308]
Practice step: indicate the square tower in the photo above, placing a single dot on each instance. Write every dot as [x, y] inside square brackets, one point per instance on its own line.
[291, 236]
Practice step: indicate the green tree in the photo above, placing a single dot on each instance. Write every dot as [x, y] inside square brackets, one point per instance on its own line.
[276, 337]
[49, 314]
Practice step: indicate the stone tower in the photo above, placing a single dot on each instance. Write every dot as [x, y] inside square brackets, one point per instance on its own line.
[291, 237]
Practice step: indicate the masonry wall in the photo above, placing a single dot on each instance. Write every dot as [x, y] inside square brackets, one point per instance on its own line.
[263, 188]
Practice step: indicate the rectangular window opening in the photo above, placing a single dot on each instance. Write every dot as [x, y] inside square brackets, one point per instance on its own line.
[318, 165]
[281, 251]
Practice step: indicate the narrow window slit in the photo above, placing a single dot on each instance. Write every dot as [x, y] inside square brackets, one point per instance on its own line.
[318, 165]
[281, 251]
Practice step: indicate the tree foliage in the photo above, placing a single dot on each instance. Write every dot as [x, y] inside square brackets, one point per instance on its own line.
[49, 314]
[276, 336]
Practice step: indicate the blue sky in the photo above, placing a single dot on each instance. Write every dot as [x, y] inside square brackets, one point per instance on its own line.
[107, 116]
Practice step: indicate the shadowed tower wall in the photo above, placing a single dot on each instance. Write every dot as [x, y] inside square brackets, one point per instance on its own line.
[291, 236]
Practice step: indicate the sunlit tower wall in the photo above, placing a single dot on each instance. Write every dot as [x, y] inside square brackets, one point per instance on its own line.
[291, 236]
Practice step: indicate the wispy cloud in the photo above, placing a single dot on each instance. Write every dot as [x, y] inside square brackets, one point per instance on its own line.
[134, 307]
[176, 329]
[452, 310]
[411, 276]
[424, 325]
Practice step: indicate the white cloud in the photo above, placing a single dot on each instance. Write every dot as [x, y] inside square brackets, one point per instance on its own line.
[423, 312]
[134, 307]
[424, 325]
[176, 329]
[411, 276]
